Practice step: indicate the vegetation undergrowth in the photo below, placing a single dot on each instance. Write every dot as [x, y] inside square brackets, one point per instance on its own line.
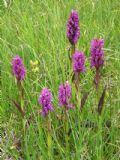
[36, 31]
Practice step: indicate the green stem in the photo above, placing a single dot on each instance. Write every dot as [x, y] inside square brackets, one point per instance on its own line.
[97, 86]
[22, 96]
[79, 103]
[22, 107]
[49, 139]
[66, 134]
[72, 52]
[97, 79]
[73, 49]
[22, 110]
[77, 84]
[100, 140]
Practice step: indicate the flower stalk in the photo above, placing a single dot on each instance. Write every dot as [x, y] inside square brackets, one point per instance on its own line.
[78, 68]
[66, 132]
[49, 138]
[45, 100]
[72, 50]
[64, 100]
[19, 72]
[97, 79]
[97, 59]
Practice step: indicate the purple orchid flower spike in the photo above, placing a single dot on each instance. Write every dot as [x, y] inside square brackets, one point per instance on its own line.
[78, 66]
[97, 58]
[79, 62]
[65, 95]
[73, 29]
[18, 68]
[45, 100]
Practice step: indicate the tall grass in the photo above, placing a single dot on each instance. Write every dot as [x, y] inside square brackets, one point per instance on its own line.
[36, 30]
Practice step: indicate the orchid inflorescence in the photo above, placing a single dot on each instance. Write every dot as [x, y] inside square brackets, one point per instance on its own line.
[78, 66]
[18, 68]
[73, 29]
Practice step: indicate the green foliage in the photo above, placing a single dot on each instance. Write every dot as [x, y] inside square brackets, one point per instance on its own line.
[36, 30]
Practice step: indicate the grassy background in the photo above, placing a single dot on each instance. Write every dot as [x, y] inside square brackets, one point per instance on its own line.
[36, 30]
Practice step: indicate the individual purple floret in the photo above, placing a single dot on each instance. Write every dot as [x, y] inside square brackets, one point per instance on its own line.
[97, 54]
[79, 62]
[18, 68]
[45, 100]
[65, 95]
[73, 29]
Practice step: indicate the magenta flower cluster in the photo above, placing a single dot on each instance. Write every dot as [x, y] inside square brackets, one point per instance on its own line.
[45, 100]
[79, 62]
[97, 54]
[73, 29]
[18, 68]
[65, 95]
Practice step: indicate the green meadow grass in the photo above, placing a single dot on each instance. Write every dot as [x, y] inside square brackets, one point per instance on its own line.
[36, 30]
